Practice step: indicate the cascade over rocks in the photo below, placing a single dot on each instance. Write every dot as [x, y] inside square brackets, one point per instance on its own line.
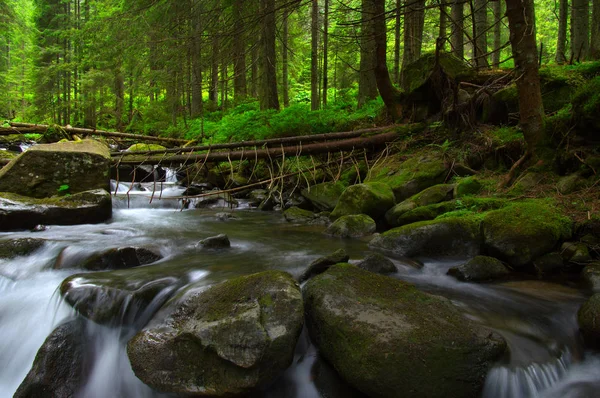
[121, 297]
[20, 212]
[11, 248]
[446, 236]
[372, 199]
[59, 369]
[115, 258]
[46, 170]
[227, 340]
[388, 339]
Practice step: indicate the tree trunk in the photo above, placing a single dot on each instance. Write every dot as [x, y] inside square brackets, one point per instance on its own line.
[580, 25]
[254, 70]
[325, 49]
[396, 71]
[239, 52]
[119, 96]
[480, 33]
[314, 56]
[443, 25]
[213, 90]
[268, 95]
[414, 19]
[457, 37]
[196, 65]
[384, 84]
[367, 83]
[561, 50]
[497, 8]
[284, 59]
[521, 19]
[595, 40]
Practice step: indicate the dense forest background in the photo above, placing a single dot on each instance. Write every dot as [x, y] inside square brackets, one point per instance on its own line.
[223, 69]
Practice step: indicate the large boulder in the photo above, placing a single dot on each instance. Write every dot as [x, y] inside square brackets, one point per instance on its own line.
[479, 269]
[378, 263]
[372, 199]
[324, 196]
[590, 276]
[11, 248]
[227, 340]
[407, 178]
[59, 369]
[388, 339]
[588, 318]
[123, 296]
[47, 170]
[20, 212]
[115, 258]
[522, 232]
[322, 264]
[445, 236]
[429, 196]
[352, 226]
[297, 215]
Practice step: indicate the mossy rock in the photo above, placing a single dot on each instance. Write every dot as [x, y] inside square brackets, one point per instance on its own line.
[588, 318]
[388, 339]
[479, 269]
[575, 252]
[590, 276]
[297, 215]
[13, 139]
[548, 263]
[521, 232]
[377, 263]
[228, 340]
[586, 103]
[20, 212]
[7, 155]
[110, 259]
[145, 148]
[11, 248]
[467, 186]
[447, 236]
[220, 241]
[50, 170]
[570, 184]
[372, 199]
[429, 196]
[236, 180]
[352, 226]
[322, 264]
[411, 176]
[325, 196]
[122, 296]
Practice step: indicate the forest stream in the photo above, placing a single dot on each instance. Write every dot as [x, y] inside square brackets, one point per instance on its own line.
[537, 319]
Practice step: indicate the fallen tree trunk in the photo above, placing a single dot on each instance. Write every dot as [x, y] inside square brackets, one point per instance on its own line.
[268, 143]
[289, 151]
[15, 130]
[42, 128]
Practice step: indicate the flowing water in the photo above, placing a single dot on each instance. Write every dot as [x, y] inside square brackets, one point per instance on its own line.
[536, 318]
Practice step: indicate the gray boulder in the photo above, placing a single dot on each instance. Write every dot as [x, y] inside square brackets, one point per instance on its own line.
[322, 264]
[388, 339]
[115, 258]
[47, 170]
[378, 264]
[352, 226]
[220, 241]
[297, 215]
[59, 369]
[227, 340]
[20, 212]
[432, 195]
[372, 199]
[324, 196]
[548, 263]
[479, 269]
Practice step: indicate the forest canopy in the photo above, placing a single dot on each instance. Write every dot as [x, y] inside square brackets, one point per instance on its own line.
[221, 69]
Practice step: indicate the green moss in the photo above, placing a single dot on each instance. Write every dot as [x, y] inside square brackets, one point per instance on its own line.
[145, 147]
[7, 155]
[505, 135]
[373, 199]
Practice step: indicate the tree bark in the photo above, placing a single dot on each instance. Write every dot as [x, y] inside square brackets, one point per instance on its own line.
[314, 56]
[397, 24]
[268, 80]
[196, 55]
[443, 25]
[595, 39]
[239, 52]
[325, 49]
[497, 8]
[284, 59]
[521, 19]
[386, 89]
[457, 37]
[414, 20]
[561, 51]
[480, 33]
[367, 83]
[580, 25]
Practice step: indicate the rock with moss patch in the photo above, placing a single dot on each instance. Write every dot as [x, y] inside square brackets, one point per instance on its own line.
[548, 263]
[59, 368]
[48, 170]
[570, 183]
[145, 148]
[429, 196]
[7, 155]
[388, 339]
[325, 196]
[522, 232]
[446, 236]
[114, 258]
[353, 226]
[586, 103]
[412, 176]
[590, 276]
[11, 248]
[122, 296]
[220, 241]
[588, 318]
[372, 199]
[256, 196]
[227, 340]
[322, 264]
[467, 186]
[20, 212]
[527, 182]
[377, 263]
[297, 215]
[575, 252]
[479, 269]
